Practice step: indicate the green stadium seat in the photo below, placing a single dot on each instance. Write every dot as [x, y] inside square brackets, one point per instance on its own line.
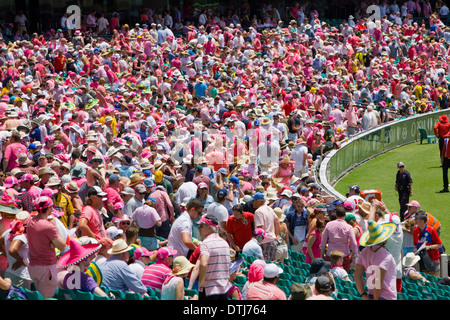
[190, 292]
[344, 296]
[414, 295]
[402, 296]
[428, 296]
[97, 297]
[82, 295]
[298, 278]
[133, 296]
[284, 282]
[285, 290]
[33, 294]
[285, 275]
[425, 136]
[64, 294]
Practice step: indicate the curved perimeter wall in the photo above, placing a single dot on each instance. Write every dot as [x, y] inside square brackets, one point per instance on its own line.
[368, 144]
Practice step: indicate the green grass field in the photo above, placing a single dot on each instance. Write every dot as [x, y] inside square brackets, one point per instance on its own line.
[422, 161]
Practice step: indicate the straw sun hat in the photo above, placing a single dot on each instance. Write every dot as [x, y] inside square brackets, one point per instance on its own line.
[377, 233]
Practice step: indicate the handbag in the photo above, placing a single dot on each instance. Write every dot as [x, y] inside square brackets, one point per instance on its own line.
[425, 260]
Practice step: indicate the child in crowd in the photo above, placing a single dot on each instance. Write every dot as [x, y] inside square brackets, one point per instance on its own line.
[337, 269]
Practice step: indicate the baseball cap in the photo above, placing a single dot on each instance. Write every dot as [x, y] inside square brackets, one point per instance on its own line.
[319, 265]
[222, 193]
[142, 252]
[202, 185]
[323, 284]
[140, 188]
[148, 182]
[400, 164]
[354, 188]
[413, 203]
[271, 270]
[222, 170]
[257, 196]
[287, 193]
[113, 177]
[235, 180]
[165, 252]
[96, 191]
[128, 191]
[113, 232]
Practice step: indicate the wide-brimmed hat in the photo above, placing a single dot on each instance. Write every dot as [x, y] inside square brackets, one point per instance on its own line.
[78, 172]
[279, 212]
[92, 103]
[23, 159]
[182, 265]
[377, 233]
[72, 187]
[8, 204]
[410, 259]
[53, 181]
[443, 118]
[365, 206]
[77, 253]
[136, 179]
[119, 246]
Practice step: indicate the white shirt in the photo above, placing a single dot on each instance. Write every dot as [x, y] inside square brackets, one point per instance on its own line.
[186, 190]
[219, 211]
[138, 268]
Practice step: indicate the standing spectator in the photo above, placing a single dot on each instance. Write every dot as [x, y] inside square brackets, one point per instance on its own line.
[214, 269]
[165, 209]
[43, 238]
[12, 151]
[116, 274]
[266, 219]
[338, 235]
[427, 236]
[441, 131]
[403, 185]
[180, 236]
[91, 220]
[445, 161]
[239, 227]
[378, 264]
[297, 222]
[147, 219]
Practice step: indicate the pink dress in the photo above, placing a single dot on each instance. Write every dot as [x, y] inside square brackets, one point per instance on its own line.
[315, 247]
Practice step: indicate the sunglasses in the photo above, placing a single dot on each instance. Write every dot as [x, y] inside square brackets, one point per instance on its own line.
[125, 223]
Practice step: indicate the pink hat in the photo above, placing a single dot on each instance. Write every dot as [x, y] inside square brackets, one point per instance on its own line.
[349, 205]
[77, 253]
[118, 205]
[43, 202]
[413, 203]
[48, 192]
[27, 177]
[165, 252]
[260, 232]
[256, 270]
[142, 252]
[202, 185]
[10, 181]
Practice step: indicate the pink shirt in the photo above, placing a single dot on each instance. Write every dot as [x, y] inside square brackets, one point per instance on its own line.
[164, 206]
[12, 153]
[339, 235]
[41, 233]
[262, 290]
[95, 223]
[155, 274]
[265, 216]
[145, 217]
[371, 260]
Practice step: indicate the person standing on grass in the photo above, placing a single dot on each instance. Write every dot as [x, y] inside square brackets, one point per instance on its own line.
[445, 160]
[404, 187]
